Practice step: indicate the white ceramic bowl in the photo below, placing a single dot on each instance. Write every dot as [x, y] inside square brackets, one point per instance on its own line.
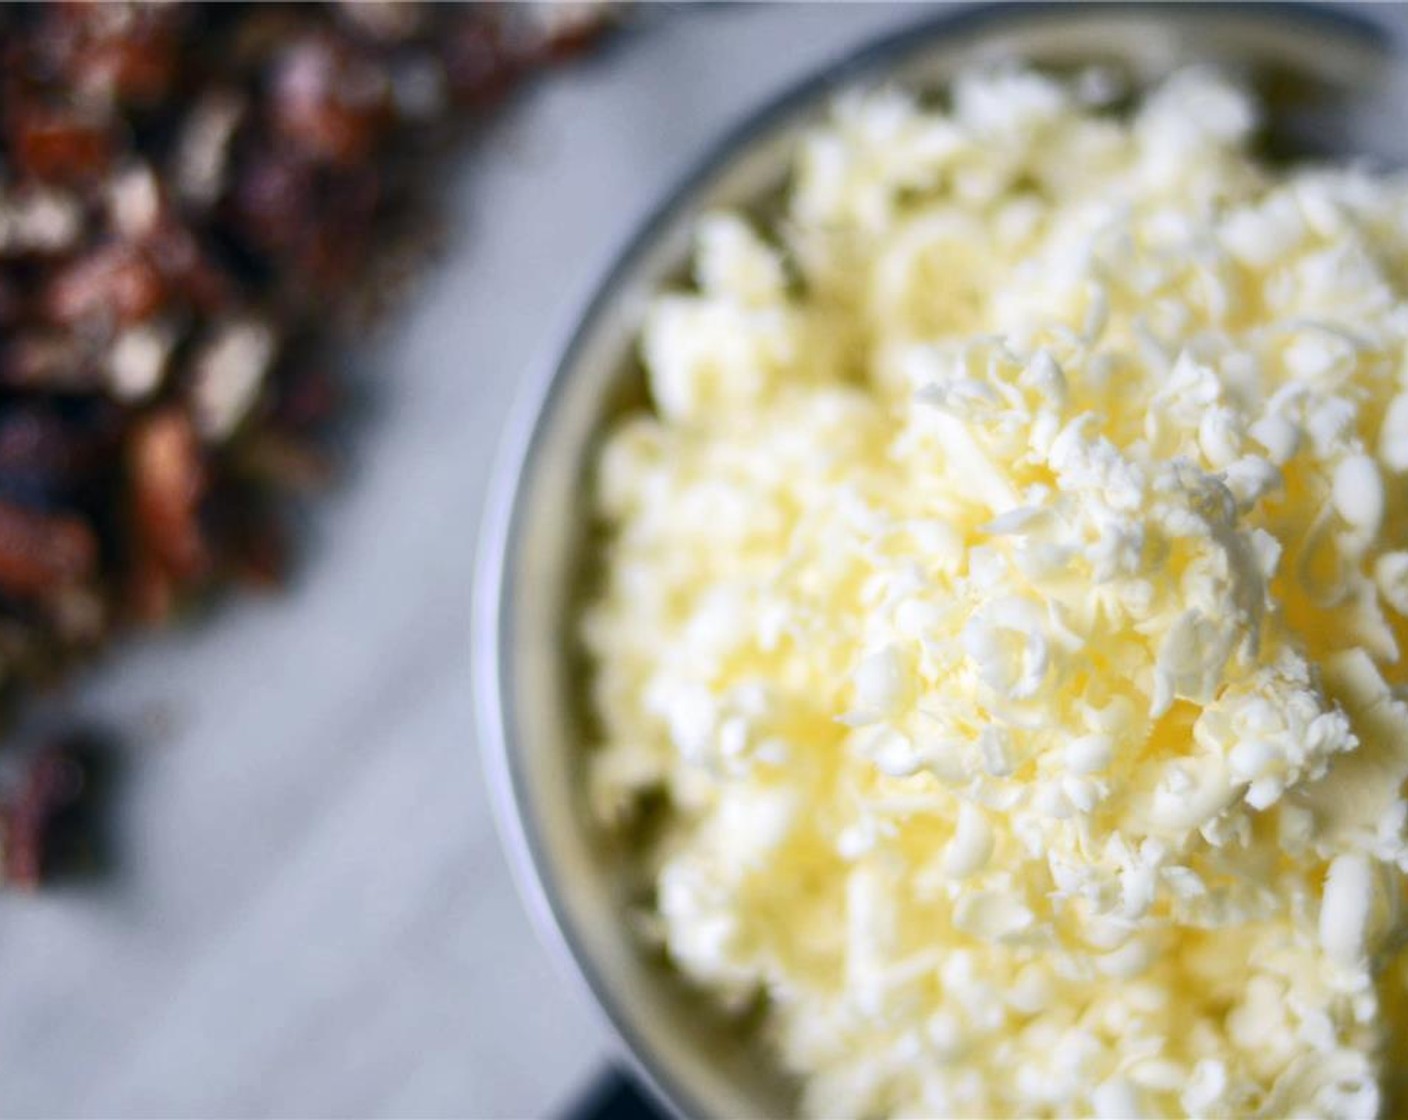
[1334, 88]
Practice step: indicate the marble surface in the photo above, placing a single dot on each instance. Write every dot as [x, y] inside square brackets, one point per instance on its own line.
[310, 915]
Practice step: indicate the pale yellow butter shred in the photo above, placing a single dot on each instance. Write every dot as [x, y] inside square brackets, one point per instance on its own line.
[1008, 593]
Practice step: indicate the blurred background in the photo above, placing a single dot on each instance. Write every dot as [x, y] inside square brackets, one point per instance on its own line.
[299, 905]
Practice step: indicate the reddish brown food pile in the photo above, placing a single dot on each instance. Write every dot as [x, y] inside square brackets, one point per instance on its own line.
[189, 194]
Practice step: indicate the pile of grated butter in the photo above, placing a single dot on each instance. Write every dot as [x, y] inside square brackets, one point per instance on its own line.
[1009, 596]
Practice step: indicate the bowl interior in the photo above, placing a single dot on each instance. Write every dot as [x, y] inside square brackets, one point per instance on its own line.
[1331, 84]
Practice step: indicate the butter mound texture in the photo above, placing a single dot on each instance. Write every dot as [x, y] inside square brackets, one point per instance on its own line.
[1007, 597]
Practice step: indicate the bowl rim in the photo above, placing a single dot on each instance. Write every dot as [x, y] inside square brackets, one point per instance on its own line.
[521, 437]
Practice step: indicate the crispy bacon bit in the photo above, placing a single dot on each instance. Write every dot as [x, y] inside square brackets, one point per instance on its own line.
[115, 282]
[60, 145]
[330, 101]
[168, 481]
[47, 360]
[54, 782]
[136, 61]
[40, 553]
[195, 199]
[478, 68]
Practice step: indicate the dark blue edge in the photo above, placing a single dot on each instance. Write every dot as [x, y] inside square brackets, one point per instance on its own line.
[504, 520]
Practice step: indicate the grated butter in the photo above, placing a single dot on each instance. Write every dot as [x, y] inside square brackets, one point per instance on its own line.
[1008, 593]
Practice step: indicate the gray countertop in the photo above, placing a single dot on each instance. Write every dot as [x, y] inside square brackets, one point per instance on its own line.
[310, 913]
